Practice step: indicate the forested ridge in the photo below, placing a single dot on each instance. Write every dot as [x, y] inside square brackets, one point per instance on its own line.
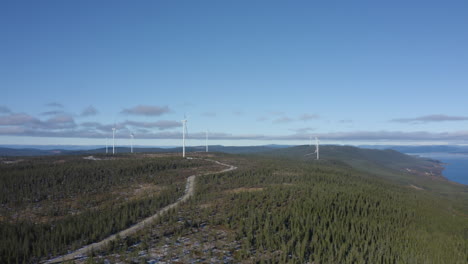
[314, 212]
[269, 210]
[42, 178]
[47, 182]
[284, 211]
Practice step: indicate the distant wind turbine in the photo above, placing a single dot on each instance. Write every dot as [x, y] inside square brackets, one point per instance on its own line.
[184, 130]
[113, 140]
[317, 151]
[131, 142]
[206, 140]
[317, 142]
[107, 150]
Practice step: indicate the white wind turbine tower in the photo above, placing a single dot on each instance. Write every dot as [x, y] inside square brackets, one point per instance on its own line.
[113, 140]
[107, 149]
[317, 147]
[131, 142]
[206, 140]
[184, 130]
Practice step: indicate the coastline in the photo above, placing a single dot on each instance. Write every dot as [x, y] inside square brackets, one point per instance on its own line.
[454, 166]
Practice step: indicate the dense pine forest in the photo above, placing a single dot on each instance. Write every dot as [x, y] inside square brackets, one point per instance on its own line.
[53, 204]
[292, 212]
[272, 209]
[278, 210]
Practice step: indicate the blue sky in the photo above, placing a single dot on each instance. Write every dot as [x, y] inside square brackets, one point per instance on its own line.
[251, 72]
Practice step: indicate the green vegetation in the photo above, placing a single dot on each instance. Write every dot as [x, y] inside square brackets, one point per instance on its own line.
[354, 206]
[331, 214]
[96, 188]
[285, 211]
[370, 160]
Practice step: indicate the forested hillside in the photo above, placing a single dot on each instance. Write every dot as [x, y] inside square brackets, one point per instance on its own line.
[274, 210]
[387, 158]
[53, 204]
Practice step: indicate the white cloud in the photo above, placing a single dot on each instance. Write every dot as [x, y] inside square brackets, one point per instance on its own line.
[147, 110]
[430, 118]
[53, 112]
[161, 125]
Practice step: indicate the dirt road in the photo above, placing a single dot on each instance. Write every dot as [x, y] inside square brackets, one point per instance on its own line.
[189, 191]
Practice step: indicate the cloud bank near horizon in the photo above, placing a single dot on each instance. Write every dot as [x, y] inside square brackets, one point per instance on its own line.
[58, 124]
[430, 118]
[65, 126]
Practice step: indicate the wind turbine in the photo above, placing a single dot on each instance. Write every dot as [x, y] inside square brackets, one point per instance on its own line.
[113, 140]
[316, 148]
[131, 142]
[107, 150]
[184, 130]
[206, 141]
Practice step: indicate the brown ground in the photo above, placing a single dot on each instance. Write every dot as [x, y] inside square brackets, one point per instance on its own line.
[416, 187]
[243, 189]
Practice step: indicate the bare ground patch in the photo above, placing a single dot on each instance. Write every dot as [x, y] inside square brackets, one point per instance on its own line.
[146, 189]
[12, 161]
[244, 189]
[285, 173]
[206, 205]
[416, 187]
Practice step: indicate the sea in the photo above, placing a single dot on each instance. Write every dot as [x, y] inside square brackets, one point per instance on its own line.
[456, 165]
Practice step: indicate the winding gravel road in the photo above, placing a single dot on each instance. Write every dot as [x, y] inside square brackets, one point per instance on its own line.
[189, 191]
